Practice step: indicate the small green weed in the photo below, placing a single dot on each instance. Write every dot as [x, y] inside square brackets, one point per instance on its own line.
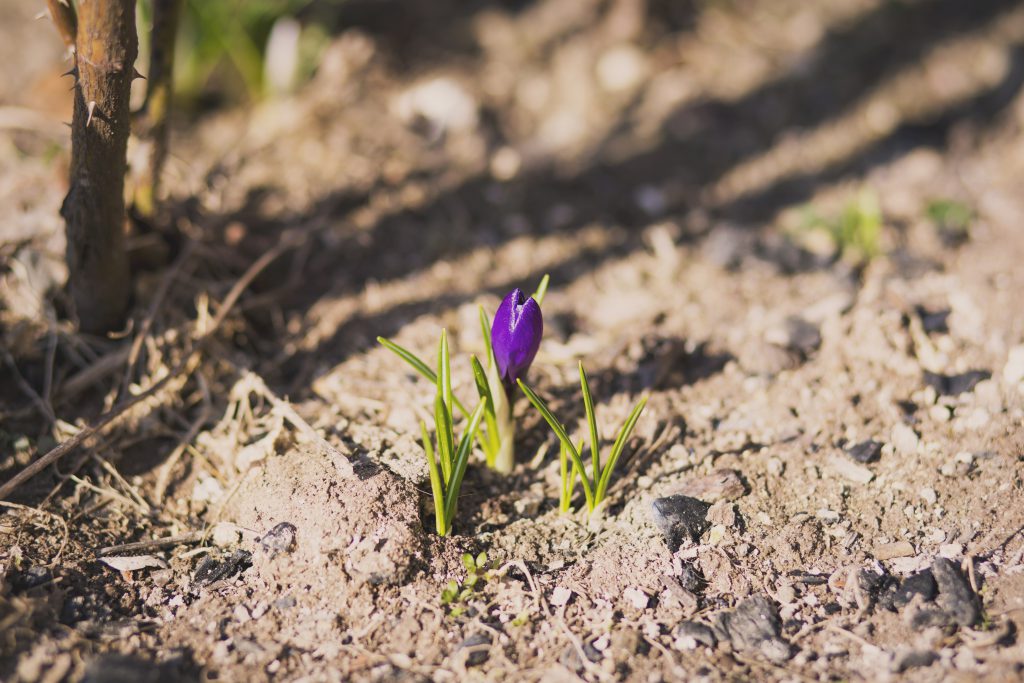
[856, 231]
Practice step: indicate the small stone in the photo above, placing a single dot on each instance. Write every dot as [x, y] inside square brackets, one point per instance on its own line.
[636, 597]
[888, 551]
[828, 516]
[626, 642]
[933, 321]
[560, 596]
[913, 659]
[955, 594]
[692, 634]
[1013, 371]
[217, 568]
[621, 68]
[929, 496]
[921, 583]
[280, 539]
[478, 648]
[225, 534]
[680, 518]
[865, 452]
[723, 512]
[717, 534]
[940, 413]
[951, 551]
[754, 626]
[904, 439]
[797, 335]
[850, 470]
[721, 484]
[786, 594]
[954, 385]
[241, 614]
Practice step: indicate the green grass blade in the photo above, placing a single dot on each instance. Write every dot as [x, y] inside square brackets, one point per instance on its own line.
[559, 431]
[620, 443]
[462, 460]
[444, 370]
[445, 437]
[595, 440]
[489, 438]
[436, 485]
[542, 289]
[485, 330]
[417, 365]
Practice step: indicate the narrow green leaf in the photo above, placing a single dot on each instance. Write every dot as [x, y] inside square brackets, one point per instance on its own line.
[444, 370]
[489, 437]
[436, 485]
[559, 431]
[483, 387]
[542, 289]
[462, 460]
[595, 442]
[445, 439]
[620, 443]
[485, 330]
[417, 365]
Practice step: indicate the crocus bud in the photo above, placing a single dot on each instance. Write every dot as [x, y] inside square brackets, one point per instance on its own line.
[515, 336]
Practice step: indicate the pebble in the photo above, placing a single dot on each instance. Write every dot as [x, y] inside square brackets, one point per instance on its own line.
[888, 551]
[216, 568]
[954, 385]
[905, 439]
[866, 451]
[912, 659]
[850, 470]
[225, 534]
[951, 551]
[929, 496]
[692, 634]
[722, 513]
[1013, 371]
[828, 516]
[795, 334]
[280, 539]
[621, 68]
[443, 102]
[636, 597]
[955, 595]
[478, 646]
[754, 626]
[720, 484]
[922, 583]
[680, 518]
[560, 596]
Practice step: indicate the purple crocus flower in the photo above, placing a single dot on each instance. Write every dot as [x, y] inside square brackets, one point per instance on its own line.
[515, 336]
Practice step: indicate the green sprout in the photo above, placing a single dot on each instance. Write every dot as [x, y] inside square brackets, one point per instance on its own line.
[951, 218]
[455, 592]
[595, 487]
[447, 461]
[857, 231]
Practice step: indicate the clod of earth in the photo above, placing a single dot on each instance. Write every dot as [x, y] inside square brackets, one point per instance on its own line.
[680, 518]
[691, 634]
[754, 626]
[477, 648]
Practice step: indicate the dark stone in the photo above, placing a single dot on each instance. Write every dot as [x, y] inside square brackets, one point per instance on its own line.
[701, 633]
[933, 321]
[931, 617]
[865, 451]
[570, 658]
[806, 578]
[479, 645]
[33, 577]
[216, 568]
[280, 539]
[803, 337]
[954, 385]
[883, 587]
[955, 594]
[691, 579]
[915, 659]
[754, 626]
[680, 518]
[921, 583]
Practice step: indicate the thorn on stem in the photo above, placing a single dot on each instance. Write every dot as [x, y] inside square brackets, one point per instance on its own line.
[136, 74]
[92, 108]
[73, 71]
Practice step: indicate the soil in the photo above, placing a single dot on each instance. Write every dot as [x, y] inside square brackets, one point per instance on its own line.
[659, 160]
